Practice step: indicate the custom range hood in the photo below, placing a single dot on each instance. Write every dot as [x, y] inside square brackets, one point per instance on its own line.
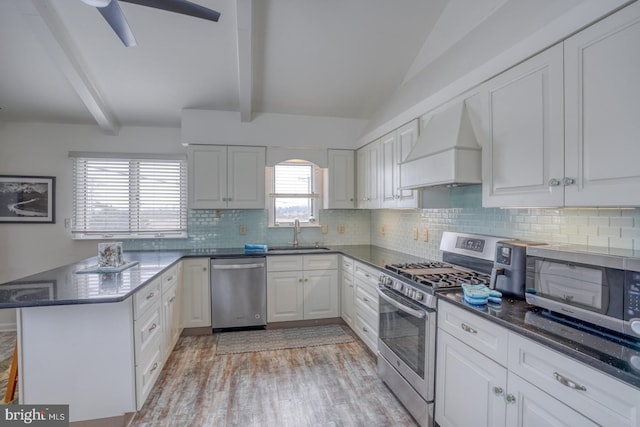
[446, 152]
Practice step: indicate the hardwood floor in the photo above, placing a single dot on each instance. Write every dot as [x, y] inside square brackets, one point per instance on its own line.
[331, 385]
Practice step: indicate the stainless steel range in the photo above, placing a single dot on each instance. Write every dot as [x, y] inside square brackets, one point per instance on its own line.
[407, 322]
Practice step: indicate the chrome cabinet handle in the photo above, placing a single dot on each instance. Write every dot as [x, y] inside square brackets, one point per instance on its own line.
[469, 329]
[155, 366]
[510, 398]
[153, 327]
[364, 329]
[568, 181]
[170, 278]
[567, 382]
[498, 391]
[300, 280]
[172, 299]
[553, 182]
[365, 299]
[151, 295]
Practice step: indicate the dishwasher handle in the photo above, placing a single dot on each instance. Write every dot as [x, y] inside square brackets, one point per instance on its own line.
[237, 266]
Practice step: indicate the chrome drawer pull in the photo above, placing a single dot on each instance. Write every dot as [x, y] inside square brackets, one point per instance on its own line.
[155, 366]
[498, 391]
[172, 299]
[567, 382]
[151, 295]
[510, 398]
[469, 329]
[153, 327]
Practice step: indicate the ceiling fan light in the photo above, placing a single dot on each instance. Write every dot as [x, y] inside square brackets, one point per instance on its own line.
[97, 3]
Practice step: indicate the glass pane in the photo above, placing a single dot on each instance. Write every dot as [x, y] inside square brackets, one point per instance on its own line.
[291, 178]
[288, 209]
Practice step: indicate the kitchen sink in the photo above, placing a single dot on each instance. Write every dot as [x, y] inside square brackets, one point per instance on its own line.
[299, 250]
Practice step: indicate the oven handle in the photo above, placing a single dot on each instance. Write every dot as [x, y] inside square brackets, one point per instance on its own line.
[396, 304]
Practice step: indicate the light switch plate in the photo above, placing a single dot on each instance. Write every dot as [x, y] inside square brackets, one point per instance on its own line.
[325, 229]
[425, 235]
[415, 234]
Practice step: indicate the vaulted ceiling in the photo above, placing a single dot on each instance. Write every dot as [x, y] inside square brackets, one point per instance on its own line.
[61, 62]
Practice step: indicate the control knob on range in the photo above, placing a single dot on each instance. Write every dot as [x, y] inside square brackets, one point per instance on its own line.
[398, 286]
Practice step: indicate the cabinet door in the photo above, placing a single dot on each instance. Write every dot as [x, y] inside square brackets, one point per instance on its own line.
[361, 178]
[523, 155]
[321, 299]
[169, 298]
[285, 296]
[246, 188]
[528, 406]
[602, 66]
[407, 136]
[373, 175]
[469, 386]
[196, 296]
[388, 170]
[207, 170]
[348, 302]
[340, 180]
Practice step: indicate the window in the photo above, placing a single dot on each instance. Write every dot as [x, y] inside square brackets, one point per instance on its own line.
[129, 197]
[295, 193]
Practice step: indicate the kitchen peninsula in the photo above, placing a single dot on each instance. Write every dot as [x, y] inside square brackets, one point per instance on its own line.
[108, 335]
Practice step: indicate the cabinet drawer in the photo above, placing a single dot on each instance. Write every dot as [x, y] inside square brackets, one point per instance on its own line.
[147, 372]
[347, 265]
[365, 297]
[320, 262]
[369, 315]
[366, 331]
[599, 397]
[147, 329]
[147, 297]
[367, 275]
[483, 335]
[169, 278]
[284, 263]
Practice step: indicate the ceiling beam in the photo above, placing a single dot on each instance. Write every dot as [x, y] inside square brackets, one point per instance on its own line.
[245, 58]
[46, 24]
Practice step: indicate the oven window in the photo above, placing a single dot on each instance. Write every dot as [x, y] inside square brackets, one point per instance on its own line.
[403, 333]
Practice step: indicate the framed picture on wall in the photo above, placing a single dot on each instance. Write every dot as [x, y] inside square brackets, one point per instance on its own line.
[27, 199]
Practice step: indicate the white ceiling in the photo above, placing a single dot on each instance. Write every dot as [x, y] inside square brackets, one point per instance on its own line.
[61, 62]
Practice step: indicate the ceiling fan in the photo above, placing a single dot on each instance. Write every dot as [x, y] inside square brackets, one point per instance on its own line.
[111, 12]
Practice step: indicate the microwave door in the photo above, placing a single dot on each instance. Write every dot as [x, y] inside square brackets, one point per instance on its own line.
[572, 284]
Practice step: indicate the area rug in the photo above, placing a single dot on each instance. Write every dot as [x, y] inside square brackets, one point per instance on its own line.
[278, 339]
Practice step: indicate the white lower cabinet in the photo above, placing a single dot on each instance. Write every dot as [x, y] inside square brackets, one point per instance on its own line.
[530, 385]
[366, 304]
[302, 287]
[196, 293]
[348, 290]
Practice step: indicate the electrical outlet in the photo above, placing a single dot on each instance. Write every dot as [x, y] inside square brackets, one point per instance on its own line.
[243, 230]
[415, 234]
[383, 229]
[325, 229]
[425, 235]
[67, 222]
[341, 228]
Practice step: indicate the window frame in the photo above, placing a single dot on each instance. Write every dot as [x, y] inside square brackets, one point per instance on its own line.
[136, 215]
[315, 195]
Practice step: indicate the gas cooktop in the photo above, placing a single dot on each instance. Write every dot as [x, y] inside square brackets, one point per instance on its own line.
[438, 274]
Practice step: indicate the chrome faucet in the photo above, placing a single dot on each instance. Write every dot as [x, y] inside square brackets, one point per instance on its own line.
[296, 231]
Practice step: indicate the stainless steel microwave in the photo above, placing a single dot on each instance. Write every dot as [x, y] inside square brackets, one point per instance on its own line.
[595, 286]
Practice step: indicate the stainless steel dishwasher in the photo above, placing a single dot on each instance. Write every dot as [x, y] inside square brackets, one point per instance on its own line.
[238, 292]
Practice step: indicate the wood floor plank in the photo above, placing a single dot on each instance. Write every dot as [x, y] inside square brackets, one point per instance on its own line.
[330, 385]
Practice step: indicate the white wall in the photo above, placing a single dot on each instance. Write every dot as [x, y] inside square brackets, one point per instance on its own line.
[42, 149]
[271, 130]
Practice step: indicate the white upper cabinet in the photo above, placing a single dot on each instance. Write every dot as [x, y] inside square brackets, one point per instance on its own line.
[561, 129]
[226, 177]
[523, 149]
[368, 175]
[340, 180]
[602, 120]
[394, 148]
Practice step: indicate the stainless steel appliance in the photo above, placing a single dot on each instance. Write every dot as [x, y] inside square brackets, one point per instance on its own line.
[590, 284]
[509, 268]
[407, 321]
[238, 292]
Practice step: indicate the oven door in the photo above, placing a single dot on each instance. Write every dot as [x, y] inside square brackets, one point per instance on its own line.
[406, 339]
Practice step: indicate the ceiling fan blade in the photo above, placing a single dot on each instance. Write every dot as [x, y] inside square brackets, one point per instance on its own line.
[183, 7]
[114, 16]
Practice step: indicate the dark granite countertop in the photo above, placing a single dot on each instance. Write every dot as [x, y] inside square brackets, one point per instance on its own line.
[613, 355]
[64, 286]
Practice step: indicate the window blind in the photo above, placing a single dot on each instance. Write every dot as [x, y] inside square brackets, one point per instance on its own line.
[129, 198]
